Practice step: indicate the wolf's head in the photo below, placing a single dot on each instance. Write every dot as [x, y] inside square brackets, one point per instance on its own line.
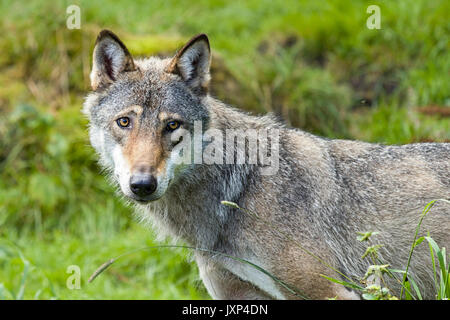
[137, 108]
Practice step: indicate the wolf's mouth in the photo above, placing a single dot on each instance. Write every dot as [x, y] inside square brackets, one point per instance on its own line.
[145, 200]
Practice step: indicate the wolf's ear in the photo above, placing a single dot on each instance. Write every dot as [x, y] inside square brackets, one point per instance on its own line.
[111, 58]
[192, 63]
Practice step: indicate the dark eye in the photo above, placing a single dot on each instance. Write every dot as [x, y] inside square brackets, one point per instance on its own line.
[123, 122]
[172, 125]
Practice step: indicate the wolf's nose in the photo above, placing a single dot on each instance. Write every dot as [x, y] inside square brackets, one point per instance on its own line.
[143, 185]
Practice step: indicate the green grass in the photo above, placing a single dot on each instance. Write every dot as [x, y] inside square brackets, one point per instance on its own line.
[310, 62]
[159, 273]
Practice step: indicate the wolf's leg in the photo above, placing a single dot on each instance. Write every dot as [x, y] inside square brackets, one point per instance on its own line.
[224, 285]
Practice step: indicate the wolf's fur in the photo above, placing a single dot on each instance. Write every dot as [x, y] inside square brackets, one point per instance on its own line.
[325, 190]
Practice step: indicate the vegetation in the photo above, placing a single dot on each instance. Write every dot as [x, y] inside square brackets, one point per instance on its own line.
[312, 62]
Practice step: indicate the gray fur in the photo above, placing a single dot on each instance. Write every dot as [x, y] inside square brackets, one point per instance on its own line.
[323, 194]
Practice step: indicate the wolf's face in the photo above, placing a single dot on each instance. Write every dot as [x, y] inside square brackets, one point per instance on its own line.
[140, 110]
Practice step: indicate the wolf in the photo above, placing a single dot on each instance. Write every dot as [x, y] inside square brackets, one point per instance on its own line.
[296, 222]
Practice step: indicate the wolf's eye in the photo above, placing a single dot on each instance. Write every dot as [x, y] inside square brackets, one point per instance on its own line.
[123, 122]
[172, 125]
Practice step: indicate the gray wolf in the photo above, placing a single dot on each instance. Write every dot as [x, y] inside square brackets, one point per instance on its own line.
[321, 193]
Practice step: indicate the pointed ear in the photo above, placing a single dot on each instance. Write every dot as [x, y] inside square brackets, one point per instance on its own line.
[111, 58]
[192, 63]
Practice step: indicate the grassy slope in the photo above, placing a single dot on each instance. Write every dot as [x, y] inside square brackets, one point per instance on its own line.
[58, 209]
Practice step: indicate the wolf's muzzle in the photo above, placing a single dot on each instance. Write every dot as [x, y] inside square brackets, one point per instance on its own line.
[143, 185]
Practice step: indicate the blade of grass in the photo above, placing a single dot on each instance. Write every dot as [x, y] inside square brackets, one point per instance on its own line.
[405, 285]
[447, 286]
[26, 266]
[344, 283]
[2, 289]
[408, 295]
[440, 253]
[424, 213]
[416, 288]
[433, 263]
